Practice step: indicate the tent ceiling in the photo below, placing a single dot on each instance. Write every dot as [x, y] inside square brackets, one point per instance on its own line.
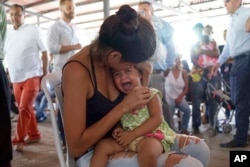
[90, 13]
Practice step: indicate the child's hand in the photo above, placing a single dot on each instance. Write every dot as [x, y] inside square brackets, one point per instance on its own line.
[125, 137]
[116, 132]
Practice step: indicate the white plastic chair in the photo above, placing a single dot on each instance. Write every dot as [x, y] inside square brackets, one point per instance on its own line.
[52, 83]
[70, 162]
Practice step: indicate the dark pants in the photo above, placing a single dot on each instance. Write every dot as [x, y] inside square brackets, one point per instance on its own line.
[5, 124]
[199, 94]
[240, 94]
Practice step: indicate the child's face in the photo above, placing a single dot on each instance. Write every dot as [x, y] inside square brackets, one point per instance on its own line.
[126, 78]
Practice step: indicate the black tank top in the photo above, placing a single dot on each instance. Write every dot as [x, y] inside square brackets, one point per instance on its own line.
[98, 105]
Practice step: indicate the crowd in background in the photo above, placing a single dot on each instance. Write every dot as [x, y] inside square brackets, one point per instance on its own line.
[180, 87]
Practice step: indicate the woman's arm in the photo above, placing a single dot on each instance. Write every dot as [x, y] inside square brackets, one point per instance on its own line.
[77, 88]
[212, 53]
[248, 25]
[146, 69]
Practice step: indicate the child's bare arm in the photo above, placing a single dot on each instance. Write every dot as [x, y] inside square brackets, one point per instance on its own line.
[155, 117]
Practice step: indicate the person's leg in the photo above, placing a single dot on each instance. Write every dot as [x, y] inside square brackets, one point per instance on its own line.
[5, 125]
[60, 127]
[193, 146]
[157, 81]
[103, 150]
[38, 105]
[148, 151]
[25, 94]
[184, 107]
[197, 94]
[213, 104]
[240, 79]
[43, 104]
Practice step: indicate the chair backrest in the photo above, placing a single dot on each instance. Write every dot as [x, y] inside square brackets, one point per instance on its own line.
[59, 100]
[49, 82]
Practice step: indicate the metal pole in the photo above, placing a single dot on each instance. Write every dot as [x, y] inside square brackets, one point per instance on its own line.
[106, 8]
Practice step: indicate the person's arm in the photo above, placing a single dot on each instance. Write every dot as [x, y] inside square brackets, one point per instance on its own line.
[248, 25]
[211, 53]
[171, 53]
[185, 90]
[3, 25]
[79, 137]
[167, 34]
[42, 47]
[53, 42]
[222, 58]
[154, 121]
[146, 69]
[45, 62]
[67, 48]
[194, 54]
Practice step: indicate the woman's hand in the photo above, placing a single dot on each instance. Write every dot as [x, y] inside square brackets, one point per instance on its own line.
[139, 96]
[178, 99]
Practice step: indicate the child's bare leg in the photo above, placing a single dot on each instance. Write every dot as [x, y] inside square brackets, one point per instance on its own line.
[149, 149]
[103, 150]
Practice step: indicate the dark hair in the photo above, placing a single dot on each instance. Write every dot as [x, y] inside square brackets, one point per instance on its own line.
[18, 6]
[128, 33]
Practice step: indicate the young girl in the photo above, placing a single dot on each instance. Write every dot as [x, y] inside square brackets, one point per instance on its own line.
[142, 130]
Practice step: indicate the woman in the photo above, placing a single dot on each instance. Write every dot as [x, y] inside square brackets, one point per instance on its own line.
[176, 86]
[93, 105]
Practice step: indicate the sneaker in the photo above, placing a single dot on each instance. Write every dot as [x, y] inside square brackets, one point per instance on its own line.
[232, 144]
[14, 117]
[32, 140]
[41, 119]
[18, 147]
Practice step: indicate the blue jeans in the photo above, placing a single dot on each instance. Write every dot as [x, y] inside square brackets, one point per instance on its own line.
[199, 157]
[240, 94]
[198, 93]
[40, 104]
[184, 107]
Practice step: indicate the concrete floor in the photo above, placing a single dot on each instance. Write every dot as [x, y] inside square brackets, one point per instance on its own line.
[43, 154]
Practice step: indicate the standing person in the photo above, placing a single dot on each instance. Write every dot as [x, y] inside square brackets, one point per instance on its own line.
[24, 42]
[176, 86]
[5, 100]
[238, 46]
[93, 105]
[164, 56]
[199, 82]
[63, 42]
[62, 37]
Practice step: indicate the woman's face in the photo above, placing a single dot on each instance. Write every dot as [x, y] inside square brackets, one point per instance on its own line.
[126, 77]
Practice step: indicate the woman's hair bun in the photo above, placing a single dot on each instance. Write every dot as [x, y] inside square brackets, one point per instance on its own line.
[126, 13]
